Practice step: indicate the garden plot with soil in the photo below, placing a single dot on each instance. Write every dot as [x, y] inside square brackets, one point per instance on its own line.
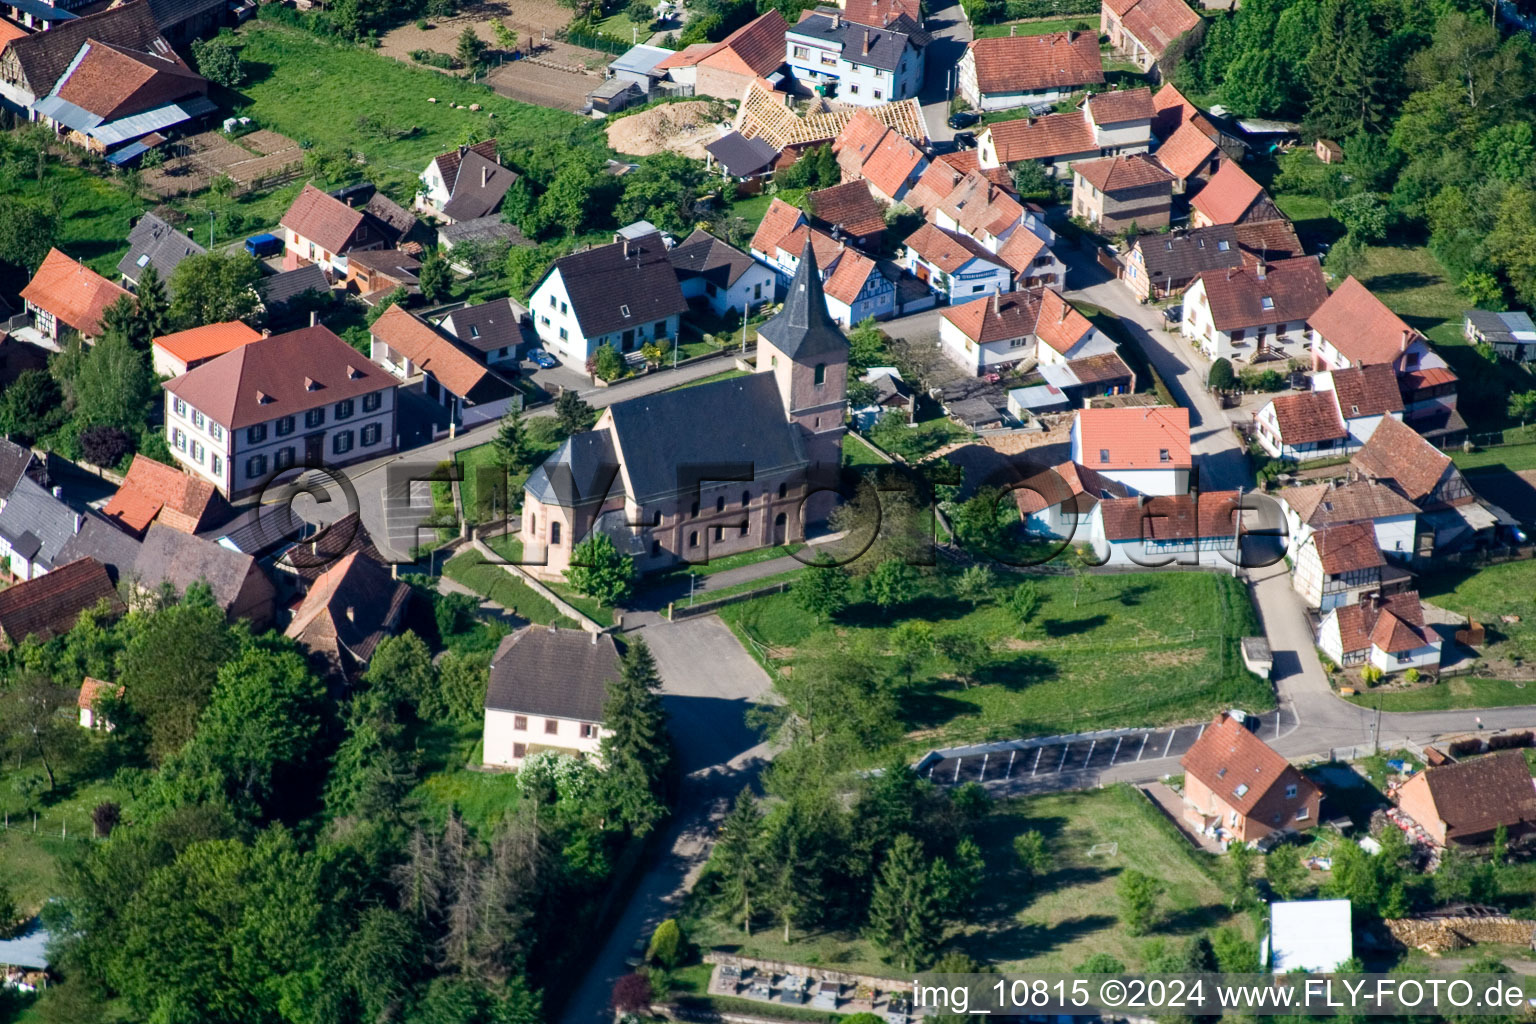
[261, 158]
[532, 20]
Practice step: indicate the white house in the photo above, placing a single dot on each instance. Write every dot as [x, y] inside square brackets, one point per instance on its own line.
[1354, 328]
[624, 295]
[305, 398]
[546, 692]
[857, 288]
[1059, 502]
[1179, 529]
[1241, 313]
[1336, 565]
[724, 277]
[1393, 518]
[1009, 327]
[1338, 416]
[954, 265]
[863, 65]
[1387, 631]
[1014, 71]
[92, 692]
[1145, 449]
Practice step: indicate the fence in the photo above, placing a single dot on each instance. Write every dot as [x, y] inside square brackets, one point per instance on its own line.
[35, 828]
[707, 606]
[606, 44]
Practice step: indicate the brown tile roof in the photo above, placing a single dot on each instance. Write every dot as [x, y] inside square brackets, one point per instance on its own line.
[310, 559]
[1135, 438]
[561, 673]
[1021, 250]
[1367, 391]
[701, 254]
[1268, 240]
[1273, 293]
[776, 224]
[1035, 138]
[72, 292]
[48, 605]
[1120, 105]
[848, 277]
[1398, 456]
[448, 163]
[1239, 767]
[1156, 23]
[999, 318]
[155, 492]
[1360, 325]
[207, 341]
[978, 205]
[851, 207]
[947, 250]
[894, 164]
[689, 56]
[826, 247]
[1064, 482]
[1308, 417]
[1475, 797]
[934, 186]
[967, 160]
[437, 354]
[1212, 514]
[285, 374]
[1320, 505]
[1349, 547]
[113, 82]
[322, 219]
[1061, 326]
[881, 12]
[1186, 151]
[1178, 256]
[1393, 622]
[355, 601]
[1101, 369]
[1054, 60]
[1228, 195]
[92, 690]
[1120, 172]
[757, 48]
[857, 141]
[44, 56]
[182, 559]
[1171, 110]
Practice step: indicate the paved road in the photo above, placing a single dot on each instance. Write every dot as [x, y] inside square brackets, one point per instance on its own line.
[951, 32]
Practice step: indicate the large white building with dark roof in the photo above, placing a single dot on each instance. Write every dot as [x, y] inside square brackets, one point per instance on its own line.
[864, 65]
[624, 295]
[546, 692]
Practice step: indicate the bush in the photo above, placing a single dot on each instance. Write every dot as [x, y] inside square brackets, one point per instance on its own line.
[105, 817]
[454, 613]
[607, 363]
[631, 994]
[1510, 741]
[1221, 378]
[667, 945]
[1411, 676]
[1016, 9]
[1370, 675]
[1462, 748]
[432, 58]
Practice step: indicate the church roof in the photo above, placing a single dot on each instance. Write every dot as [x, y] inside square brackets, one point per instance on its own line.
[804, 328]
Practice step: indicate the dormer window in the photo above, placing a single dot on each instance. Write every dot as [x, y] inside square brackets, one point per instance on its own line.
[353, 373]
[262, 398]
[1163, 456]
[1103, 455]
[310, 384]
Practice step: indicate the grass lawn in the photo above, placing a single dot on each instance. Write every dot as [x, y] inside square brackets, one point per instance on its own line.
[1457, 692]
[857, 452]
[1054, 925]
[752, 208]
[482, 799]
[723, 375]
[496, 584]
[1142, 649]
[1518, 452]
[1484, 595]
[94, 218]
[295, 79]
[1036, 27]
[482, 477]
[588, 606]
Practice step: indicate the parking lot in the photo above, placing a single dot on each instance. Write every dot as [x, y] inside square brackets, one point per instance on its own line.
[1065, 762]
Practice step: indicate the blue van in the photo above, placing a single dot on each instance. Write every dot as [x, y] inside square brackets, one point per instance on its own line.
[262, 246]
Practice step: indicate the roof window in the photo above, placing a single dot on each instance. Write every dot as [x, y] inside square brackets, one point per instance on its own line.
[474, 332]
[1103, 454]
[142, 260]
[1221, 246]
[1221, 773]
[1241, 790]
[1163, 456]
[1267, 302]
[624, 310]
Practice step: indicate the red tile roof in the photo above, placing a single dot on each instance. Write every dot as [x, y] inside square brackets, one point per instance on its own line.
[880, 12]
[756, 49]
[1134, 438]
[1228, 195]
[48, 606]
[1308, 417]
[72, 292]
[1120, 105]
[1360, 325]
[1155, 23]
[448, 163]
[947, 250]
[322, 219]
[1035, 138]
[432, 352]
[207, 341]
[1118, 173]
[857, 141]
[934, 185]
[1239, 767]
[1203, 516]
[778, 222]
[1393, 623]
[1172, 110]
[1350, 547]
[1065, 482]
[1186, 151]
[153, 491]
[1021, 250]
[894, 164]
[1061, 325]
[92, 690]
[1274, 293]
[848, 277]
[1001, 317]
[113, 82]
[826, 247]
[979, 206]
[1397, 455]
[1367, 391]
[1052, 61]
[687, 57]
[1320, 505]
[284, 375]
[1267, 240]
[851, 207]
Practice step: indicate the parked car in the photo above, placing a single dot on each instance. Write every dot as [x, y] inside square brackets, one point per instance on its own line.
[965, 140]
[543, 359]
[262, 246]
[963, 119]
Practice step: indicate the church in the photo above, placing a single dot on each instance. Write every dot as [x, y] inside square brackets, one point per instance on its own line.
[710, 470]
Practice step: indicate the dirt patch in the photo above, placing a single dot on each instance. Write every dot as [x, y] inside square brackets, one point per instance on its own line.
[683, 128]
[1182, 656]
[534, 21]
[261, 159]
[558, 76]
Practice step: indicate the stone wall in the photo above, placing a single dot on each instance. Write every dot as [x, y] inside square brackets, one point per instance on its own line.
[804, 971]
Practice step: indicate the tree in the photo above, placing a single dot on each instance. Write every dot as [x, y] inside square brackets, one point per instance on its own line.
[104, 818]
[979, 521]
[1346, 258]
[169, 666]
[912, 643]
[28, 229]
[1284, 871]
[606, 363]
[667, 945]
[599, 570]
[892, 583]
[513, 449]
[736, 860]
[1234, 954]
[1221, 378]
[31, 713]
[1031, 856]
[866, 346]
[214, 287]
[154, 306]
[121, 320]
[822, 590]
[10, 917]
[975, 584]
[1348, 72]
[640, 12]
[1483, 290]
[574, 192]
[636, 751]
[573, 414]
[471, 50]
[105, 446]
[399, 296]
[1031, 181]
[904, 910]
[1139, 895]
[1512, 242]
[218, 61]
[1522, 405]
[1363, 215]
[665, 189]
[113, 386]
[506, 38]
[1024, 601]
[1101, 963]
[631, 994]
[433, 276]
[966, 651]
[31, 407]
[1238, 875]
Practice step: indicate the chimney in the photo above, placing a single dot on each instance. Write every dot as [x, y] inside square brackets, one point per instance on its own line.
[1261, 270]
[266, 332]
[837, 20]
[1062, 316]
[351, 614]
[79, 521]
[314, 318]
[594, 638]
[58, 492]
[485, 176]
[1405, 341]
[1011, 30]
[997, 304]
[625, 243]
[1071, 37]
[866, 41]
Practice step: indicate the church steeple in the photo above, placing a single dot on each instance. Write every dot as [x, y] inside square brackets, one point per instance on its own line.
[804, 328]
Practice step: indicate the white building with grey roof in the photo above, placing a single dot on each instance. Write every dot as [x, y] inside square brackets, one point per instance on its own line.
[862, 64]
[546, 692]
